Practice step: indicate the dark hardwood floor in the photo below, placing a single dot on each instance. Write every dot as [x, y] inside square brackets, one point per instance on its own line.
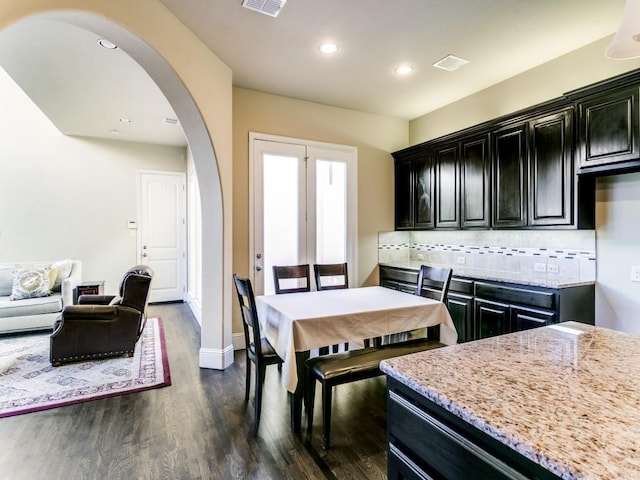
[199, 427]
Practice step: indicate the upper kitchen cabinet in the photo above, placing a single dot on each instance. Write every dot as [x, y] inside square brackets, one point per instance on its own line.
[608, 137]
[447, 187]
[414, 185]
[475, 182]
[551, 173]
[510, 166]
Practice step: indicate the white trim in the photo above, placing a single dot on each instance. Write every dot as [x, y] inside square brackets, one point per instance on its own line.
[216, 358]
[195, 307]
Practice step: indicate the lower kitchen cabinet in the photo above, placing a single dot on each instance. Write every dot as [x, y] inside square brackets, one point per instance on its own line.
[491, 318]
[481, 309]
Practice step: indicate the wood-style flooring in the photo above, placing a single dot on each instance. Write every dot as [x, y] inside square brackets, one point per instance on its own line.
[197, 428]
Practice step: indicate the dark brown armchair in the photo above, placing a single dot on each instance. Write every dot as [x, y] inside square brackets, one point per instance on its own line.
[103, 325]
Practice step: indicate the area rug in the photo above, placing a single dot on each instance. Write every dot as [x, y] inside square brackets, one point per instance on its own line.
[29, 383]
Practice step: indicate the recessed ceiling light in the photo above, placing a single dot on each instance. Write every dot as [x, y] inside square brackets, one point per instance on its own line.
[328, 48]
[104, 43]
[450, 63]
[403, 69]
[113, 131]
[125, 120]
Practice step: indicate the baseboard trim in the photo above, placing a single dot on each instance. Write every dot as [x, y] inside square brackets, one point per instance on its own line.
[216, 359]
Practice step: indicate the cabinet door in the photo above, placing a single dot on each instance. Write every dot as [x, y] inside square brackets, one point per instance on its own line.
[608, 128]
[475, 172]
[447, 187]
[509, 177]
[491, 319]
[551, 179]
[424, 191]
[461, 310]
[403, 194]
[523, 318]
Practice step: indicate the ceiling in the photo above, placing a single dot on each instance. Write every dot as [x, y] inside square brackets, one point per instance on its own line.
[85, 89]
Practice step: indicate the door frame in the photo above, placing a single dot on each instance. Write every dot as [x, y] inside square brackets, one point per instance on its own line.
[182, 274]
[352, 198]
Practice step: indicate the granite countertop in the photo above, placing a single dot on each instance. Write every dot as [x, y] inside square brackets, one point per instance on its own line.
[495, 278]
[565, 396]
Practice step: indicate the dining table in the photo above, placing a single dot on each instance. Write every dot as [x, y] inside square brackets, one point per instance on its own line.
[297, 323]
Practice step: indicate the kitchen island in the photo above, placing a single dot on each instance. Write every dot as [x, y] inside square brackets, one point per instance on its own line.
[561, 401]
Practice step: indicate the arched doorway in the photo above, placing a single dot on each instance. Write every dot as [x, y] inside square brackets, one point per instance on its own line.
[216, 350]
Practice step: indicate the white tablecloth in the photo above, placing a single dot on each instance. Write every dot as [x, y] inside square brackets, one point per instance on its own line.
[297, 322]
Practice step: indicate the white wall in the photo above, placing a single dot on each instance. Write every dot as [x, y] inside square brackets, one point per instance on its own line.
[69, 197]
[618, 248]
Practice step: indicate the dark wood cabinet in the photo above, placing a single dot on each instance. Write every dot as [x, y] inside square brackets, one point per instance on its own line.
[414, 189]
[510, 166]
[475, 182]
[491, 318]
[482, 308]
[461, 310]
[424, 190]
[608, 128]
[403, 193]
[523, 318]
[447, 187]
[551, 173]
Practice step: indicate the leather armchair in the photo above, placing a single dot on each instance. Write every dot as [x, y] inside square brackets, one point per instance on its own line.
[103, 325]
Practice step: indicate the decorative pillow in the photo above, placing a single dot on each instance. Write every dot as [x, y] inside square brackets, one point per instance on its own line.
[30, 283]
[64, 270]
[53, 271]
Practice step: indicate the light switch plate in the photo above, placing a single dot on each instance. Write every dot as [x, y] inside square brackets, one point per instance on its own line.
[635, 273]
[540, 267]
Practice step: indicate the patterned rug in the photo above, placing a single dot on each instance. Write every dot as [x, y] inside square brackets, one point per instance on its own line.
[28, 382]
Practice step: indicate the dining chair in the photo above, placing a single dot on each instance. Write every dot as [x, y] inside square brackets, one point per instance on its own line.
[354, 365]
[331, 276]
[258, 350]
[291, 272]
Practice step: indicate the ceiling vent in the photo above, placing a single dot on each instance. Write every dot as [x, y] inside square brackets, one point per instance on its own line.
[268, 7]
[170, 121]
[450, 63]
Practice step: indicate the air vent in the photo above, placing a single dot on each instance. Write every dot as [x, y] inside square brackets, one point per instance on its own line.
[450, 63]
[171, 121]
[268, 7]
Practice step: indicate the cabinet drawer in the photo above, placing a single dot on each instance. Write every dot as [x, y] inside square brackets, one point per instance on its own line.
[402, 467]
[461, 285]
[398, 275]
[437, 449]
[521, 296]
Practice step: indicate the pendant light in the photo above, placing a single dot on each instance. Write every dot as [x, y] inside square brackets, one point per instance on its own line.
[626, 42]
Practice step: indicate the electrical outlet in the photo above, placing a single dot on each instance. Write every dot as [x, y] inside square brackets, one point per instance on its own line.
[552, 268]
[421, 256]
[635, 274]
[540, 267]
[461, 260]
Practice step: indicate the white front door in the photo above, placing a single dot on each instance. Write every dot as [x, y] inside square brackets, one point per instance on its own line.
[304, 206]
[162, 237]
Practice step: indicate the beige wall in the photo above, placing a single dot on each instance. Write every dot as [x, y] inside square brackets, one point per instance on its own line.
[617, 202]
[546, 82]
[374, 136]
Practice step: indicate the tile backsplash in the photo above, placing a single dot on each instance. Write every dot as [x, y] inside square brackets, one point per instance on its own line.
[548, 258]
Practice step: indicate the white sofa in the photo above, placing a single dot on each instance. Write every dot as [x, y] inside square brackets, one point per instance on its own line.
[32, 314]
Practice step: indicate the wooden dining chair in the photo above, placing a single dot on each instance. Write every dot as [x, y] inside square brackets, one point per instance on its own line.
[258, 350]
[331, 276]
[354, 365]
[291, 272]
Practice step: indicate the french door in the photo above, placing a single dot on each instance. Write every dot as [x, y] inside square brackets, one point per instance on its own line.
[303, 206]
